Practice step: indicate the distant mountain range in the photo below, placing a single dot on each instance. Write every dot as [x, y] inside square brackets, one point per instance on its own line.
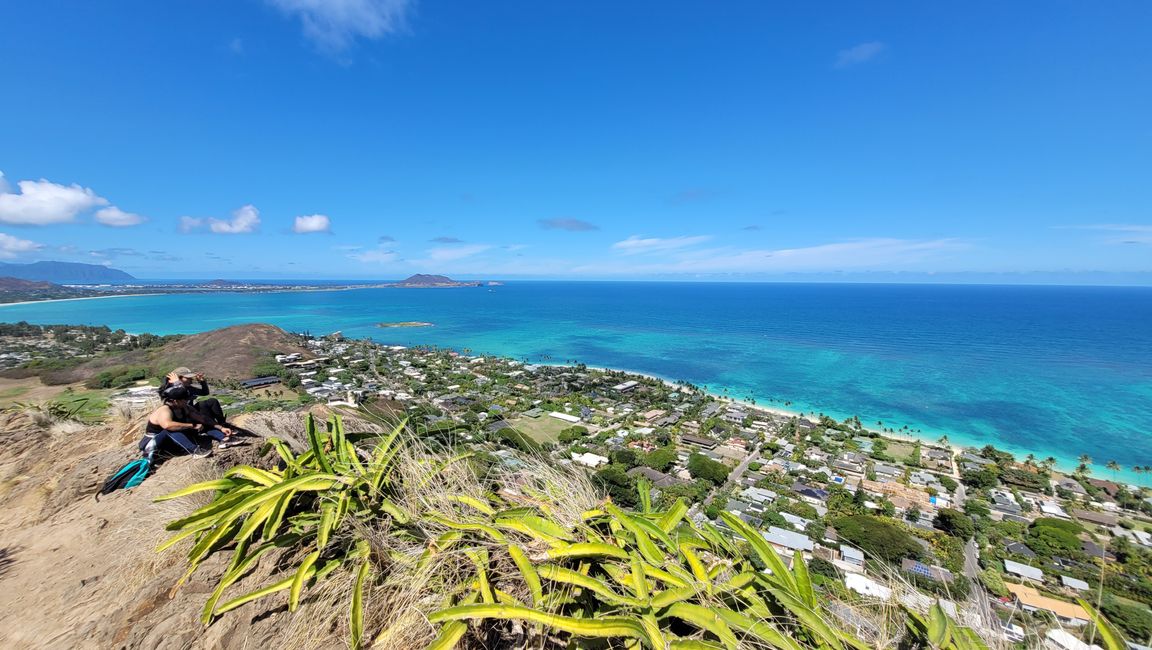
[65, 273]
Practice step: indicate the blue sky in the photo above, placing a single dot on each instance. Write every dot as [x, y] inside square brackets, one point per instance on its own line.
[673, 140]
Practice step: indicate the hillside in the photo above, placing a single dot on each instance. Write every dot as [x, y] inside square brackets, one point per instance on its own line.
[228, 353]
[425, 280]
[65, 272]
[18, 290]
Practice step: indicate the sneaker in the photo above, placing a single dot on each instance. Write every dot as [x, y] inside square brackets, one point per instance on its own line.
[228, 443]
[202, 452]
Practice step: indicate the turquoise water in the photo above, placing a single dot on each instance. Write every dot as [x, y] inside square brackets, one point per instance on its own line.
[1054, 371]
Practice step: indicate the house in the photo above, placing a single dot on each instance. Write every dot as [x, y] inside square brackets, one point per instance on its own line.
[659, 479]
[1023, 570]
[699, 441]
[1053, 509]
[799, 523]
[937, 573]
[626, 386]
[1058, 639]
[564, 416]
[758, 495]
[589, 459]
[852, 555]
[259, 381]
[788, 540]
[1020, 548]
[1072, 485]
[1074, 584]
[866, 586]
[736, 506]
[1098, 518]
[1031, 600]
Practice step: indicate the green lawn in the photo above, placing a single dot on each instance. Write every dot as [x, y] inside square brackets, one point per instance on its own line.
[15, 391]
[88, 406]
[899, 449]
[542, 429]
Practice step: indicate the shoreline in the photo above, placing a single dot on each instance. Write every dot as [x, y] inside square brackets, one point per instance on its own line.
[38, 302]
[1063, 466]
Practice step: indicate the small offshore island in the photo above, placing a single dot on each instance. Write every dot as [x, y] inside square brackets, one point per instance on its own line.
[1007, 544]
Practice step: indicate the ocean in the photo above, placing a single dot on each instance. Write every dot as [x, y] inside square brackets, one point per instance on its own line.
[1051, 371]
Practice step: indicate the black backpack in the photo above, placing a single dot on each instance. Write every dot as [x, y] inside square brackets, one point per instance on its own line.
[128, 476]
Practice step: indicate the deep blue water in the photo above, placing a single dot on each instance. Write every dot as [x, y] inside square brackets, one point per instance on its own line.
[1055, 371]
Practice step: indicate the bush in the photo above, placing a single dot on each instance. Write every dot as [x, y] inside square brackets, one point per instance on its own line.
[1049, 537]
[955, 523]
[1133, 619]
[572, 434]
[661, 459]
[615, 481]
[702, 467]
[822, 567]
[948, 482]
[878, 537]
[518, 440]
[980, 478]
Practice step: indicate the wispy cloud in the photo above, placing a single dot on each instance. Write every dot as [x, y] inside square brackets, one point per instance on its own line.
[117, 218]
[334, 25]
[859, 54]
[378, 255]
[636, 244]
[245, 219]
[312, 223]
[11, 246]
[1120, 233]
[451, 253]
[115, 252]
[861, 254]
[384, 239]
[446, 240]
[571, 225]
[751, 227]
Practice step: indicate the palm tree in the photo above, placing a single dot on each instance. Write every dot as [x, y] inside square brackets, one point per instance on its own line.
[1115, 467]
[1085, 459]
[1030, 460]
[1050, 462]
[943, 440]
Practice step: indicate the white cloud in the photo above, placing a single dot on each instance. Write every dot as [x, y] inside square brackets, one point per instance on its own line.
[4, 186]
[244, 220]
[117, 218]
[636, 244]
[43, 202]
[312, 223]
[12, 246]
[333, 25]
[858, 54]
[374, 256]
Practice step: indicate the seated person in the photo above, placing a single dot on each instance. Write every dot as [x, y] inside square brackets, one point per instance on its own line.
[210, 408]
[165, 430]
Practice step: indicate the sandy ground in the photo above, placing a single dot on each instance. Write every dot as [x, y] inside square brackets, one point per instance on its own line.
[28, 389]
[81, 573]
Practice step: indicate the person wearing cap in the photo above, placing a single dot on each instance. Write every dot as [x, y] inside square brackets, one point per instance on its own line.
[210, 408]
[163, 427]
